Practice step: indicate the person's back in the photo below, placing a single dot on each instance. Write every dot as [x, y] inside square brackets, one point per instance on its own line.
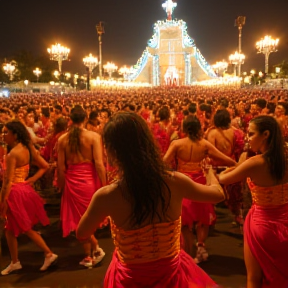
[226, 138]
[87, 141]
[81, 173]
[145, 211]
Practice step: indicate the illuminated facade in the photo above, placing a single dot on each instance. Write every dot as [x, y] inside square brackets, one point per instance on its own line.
[171, 57]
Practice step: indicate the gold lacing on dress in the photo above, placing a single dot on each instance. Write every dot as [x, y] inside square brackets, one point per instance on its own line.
[150, 243]
[20, 174]
[188, 166]
[269, 196]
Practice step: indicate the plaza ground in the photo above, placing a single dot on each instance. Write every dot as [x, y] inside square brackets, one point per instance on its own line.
[225, 264]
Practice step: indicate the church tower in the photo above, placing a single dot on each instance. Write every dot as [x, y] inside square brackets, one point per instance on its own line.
[171, 57]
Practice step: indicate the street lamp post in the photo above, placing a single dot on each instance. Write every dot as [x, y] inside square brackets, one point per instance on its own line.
[37, 72]
[100, 32]
[125, 71]
[58, 53]
[90, 62]
[110, 67]
[220, 67]
[266, 46]
[9, 69]
[240, 22]
[236, 59]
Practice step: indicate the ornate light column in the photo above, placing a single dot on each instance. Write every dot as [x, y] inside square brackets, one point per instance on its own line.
[58, 53]
[90, 62]
[220, 67]
[9, 69]
[125, 71]
[110, 67]
[267, 46]
[236, 59]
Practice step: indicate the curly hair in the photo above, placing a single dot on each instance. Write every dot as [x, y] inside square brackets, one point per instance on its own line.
[192, 127]
[127, 137]
[222, 119]
[18, 128]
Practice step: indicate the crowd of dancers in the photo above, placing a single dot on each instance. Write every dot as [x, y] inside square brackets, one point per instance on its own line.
[151, 162]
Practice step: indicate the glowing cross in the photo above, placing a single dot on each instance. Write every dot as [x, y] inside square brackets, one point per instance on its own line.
[169, 6]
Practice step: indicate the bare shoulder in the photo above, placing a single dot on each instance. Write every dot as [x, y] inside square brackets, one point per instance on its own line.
[211, 131]
[92, 135]
[62, 138]
[107, 191]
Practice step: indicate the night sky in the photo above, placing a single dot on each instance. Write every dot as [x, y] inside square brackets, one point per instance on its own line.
[36, 25]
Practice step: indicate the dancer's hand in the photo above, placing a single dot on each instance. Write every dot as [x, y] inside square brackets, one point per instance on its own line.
[227, 170]
[30, 181]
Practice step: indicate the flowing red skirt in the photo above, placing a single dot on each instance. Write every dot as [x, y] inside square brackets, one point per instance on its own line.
[81, 182]
[266, 232]
[25, 209]
[180, 271]
[197, 212]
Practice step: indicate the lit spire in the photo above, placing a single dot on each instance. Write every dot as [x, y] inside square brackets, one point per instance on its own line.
[169, 7]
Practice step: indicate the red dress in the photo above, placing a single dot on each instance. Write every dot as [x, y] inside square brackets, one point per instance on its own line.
[151, 257]
[266, 232]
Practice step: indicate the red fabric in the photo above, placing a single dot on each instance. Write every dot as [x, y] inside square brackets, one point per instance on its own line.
[25, 209]
[266, 232]
[238, 144]
[194, 211]
[48, 150]
[162, 136]
[181, 271]
[81, 182]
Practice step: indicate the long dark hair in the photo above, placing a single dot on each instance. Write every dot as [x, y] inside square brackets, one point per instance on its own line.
[77, 116]
[276, 155]
[18, 128]
[127, 137]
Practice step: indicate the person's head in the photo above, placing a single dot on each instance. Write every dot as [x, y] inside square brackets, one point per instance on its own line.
[192, 108]
[131, 148]
[253, 110]
[60, 125]
[93, 117]
[164, 113]
[78, 115]
[58, 109]
[280, 109]
[29, 118]
[261, 104]
[45, 114]
[104, 115]
[222, 119]
[14, 132]
[223, 104]
[192, 127]
[265, 136]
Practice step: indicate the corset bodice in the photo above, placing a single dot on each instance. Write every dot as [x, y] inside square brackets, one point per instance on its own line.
[269, 196]
[150, 243]
[188, 166]
[20, 174]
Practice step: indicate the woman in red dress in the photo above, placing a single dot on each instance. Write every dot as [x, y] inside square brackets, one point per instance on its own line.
[266, 225]
[19, 202]
[189, 153]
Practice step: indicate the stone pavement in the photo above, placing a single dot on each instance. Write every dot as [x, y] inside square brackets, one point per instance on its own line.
[225, 264]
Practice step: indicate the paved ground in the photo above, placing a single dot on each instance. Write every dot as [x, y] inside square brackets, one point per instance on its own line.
[225, 264]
